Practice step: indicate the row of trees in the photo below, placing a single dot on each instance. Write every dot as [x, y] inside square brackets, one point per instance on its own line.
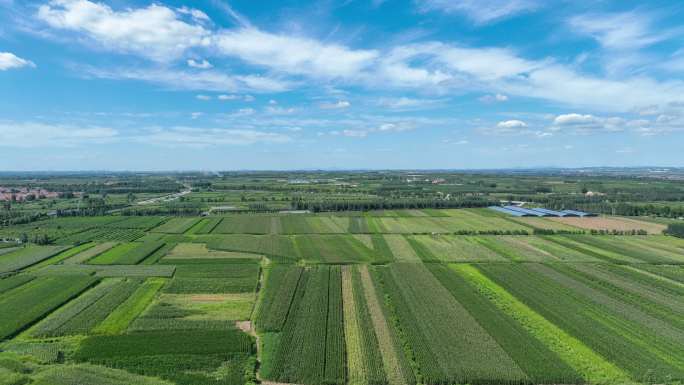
[380, 204]
[676, 229]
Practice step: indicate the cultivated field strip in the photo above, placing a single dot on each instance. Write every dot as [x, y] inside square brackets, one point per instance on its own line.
[540, 364]
[590, 365]
[93, 309]
[619, 340]
[88, 254]
[667, 273]
[14, 281]
[449, 345]
[176, 225]
[277, 297]
[300, 357]
[27, 256]
[28, 303]
[397, 367]
[401, 248]
[364, 362]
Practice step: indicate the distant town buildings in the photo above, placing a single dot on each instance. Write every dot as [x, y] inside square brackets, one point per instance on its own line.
[24, 193]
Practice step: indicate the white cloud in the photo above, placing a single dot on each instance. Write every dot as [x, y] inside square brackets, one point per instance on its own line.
[627, 30]
[481, 11]
[493, 98]
[34, 134]
[587, 123]
[196, 14]
[511, 124]
[340, 104]
[9, 60]
[228, 97]
[203, 97]
[246, 98]
[156, 32]
[404, 103]
[351, 133]
[276, 110]
[294, 55]
[207, 137]
[204, 64]
[162, 33]
[199, 81]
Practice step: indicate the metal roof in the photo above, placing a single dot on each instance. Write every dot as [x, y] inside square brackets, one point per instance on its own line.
[526, 211]
[552, 213]
[507, 211]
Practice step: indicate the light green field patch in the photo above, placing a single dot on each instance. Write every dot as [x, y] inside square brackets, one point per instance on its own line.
[454, 248]
[400, 248]
[365, 239]
[584, 360]
[200, 251]
[118, 320]
[231, 307]
[89, 253]
[112, 255]
[62, 256]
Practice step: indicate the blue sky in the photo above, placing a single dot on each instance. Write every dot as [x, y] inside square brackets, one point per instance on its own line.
[217, 85]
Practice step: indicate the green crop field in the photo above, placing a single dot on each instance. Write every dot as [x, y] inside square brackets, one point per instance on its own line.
[244, 282]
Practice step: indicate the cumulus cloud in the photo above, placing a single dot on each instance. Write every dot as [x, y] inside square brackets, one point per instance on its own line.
[204, 64]
[339, 105]
[9, 60]
[203, 97]
[165, 34]
[156, 32]
[36, 134]
[587, 123]
[511, 124]
[481, 11]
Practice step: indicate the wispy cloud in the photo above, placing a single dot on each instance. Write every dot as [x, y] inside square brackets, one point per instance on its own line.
[481, 11]
[338, 105]
[207, 137]
[37, 134]
[186, 80]
[626, 30]
[409, 104]
[9, 60]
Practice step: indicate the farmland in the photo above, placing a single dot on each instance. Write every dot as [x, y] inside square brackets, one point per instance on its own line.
[392, 296]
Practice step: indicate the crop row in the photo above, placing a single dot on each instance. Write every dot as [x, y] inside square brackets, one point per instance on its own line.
[36, 299]
[184, 357]
[127, 253]
[448, 343]
[300, 357]
[276, 298]
[88, 310]
[540, 364]
[603, 326]
[365, 364]
[27, 256]
[102, 234]
[176, 225]
[132, 271]
[11, 282]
